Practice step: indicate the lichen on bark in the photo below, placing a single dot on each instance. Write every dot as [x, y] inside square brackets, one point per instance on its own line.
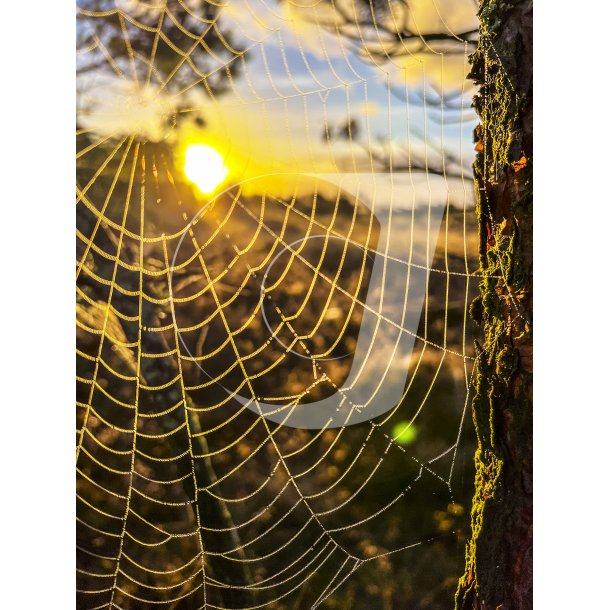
[498, 571]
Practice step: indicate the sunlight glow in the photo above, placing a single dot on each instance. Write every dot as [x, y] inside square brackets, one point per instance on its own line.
[205, 167]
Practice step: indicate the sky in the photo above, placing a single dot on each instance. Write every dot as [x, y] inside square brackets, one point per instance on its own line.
[300, 84]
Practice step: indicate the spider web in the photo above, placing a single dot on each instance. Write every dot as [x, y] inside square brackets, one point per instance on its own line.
[205, 322]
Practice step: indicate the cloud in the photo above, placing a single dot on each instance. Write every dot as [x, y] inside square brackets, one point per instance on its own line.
[273, 116]
[119, 107]
[284, 24]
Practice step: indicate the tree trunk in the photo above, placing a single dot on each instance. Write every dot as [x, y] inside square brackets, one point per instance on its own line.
[498, 573]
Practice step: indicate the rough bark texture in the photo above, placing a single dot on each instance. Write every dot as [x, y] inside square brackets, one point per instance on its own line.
[498, 573]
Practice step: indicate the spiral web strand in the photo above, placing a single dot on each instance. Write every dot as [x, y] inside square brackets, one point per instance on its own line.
[194, 310]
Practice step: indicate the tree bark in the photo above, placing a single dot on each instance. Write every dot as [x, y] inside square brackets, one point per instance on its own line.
[498, 572]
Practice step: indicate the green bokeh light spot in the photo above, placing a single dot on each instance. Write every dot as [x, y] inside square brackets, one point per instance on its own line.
[404, 432]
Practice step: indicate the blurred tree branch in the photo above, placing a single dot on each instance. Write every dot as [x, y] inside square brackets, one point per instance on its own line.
[381, 29]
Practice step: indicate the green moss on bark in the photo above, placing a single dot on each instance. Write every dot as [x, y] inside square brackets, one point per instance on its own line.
[498, 572]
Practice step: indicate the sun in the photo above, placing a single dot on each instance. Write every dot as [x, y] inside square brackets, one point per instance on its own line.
[205, 166]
